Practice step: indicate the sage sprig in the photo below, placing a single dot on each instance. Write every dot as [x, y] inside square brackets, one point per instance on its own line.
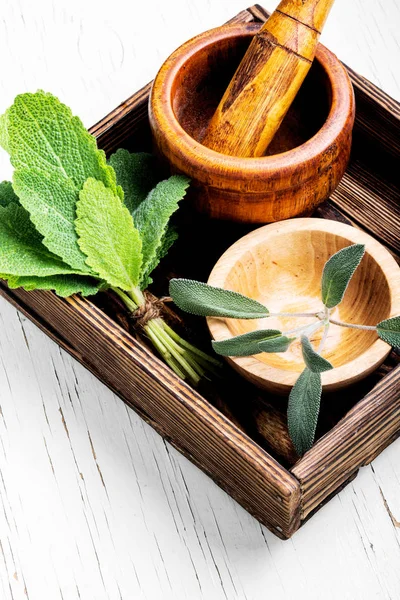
[304, 399]
[73, 222]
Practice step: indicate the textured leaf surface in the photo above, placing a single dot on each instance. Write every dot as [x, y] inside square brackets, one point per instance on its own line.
[303, 410]
[107, 236]
[389, 331]
[246, 344]
[337, 273]
[314, 361]
[252, 343]
[136, 174]
[53, 155]
[7, 194]
[152, 217]
[170, 236]
[22, 251]
[278, 344]
[205, 300]
[3, 131]
[51, 202]
[63, 285]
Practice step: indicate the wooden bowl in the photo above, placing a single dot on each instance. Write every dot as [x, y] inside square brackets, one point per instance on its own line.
[280, 265]
[306, 159]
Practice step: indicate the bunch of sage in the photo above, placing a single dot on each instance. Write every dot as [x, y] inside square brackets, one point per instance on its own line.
[74, 223]
[305, 397]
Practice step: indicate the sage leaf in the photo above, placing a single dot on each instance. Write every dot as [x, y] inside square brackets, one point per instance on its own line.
[169, 237]
[205, 300]
[303, 410]
[337, 273]
[314, 361]
[152, 217]
[22, 251]
[280, 343]
[136, 174]
[107, 236]
[7, 194]
[3, 131]
[53, 155]
[62, 285]
[52, 206]
[246, 344]
[389, 331]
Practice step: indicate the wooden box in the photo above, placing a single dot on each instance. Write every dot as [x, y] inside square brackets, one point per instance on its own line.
[357, 426]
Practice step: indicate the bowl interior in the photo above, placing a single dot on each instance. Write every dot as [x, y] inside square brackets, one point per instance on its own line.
[204, 77]
[284, 271]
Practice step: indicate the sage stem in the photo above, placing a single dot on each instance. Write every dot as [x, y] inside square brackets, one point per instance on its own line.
[188, 346]
[290, 314]
[324, 338]
[129, 303]
[352, 325]
[307, 329]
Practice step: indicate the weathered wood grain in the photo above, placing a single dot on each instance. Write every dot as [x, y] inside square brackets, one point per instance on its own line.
[174, 409]
[159, 528]
[360, 436]
[262, 485]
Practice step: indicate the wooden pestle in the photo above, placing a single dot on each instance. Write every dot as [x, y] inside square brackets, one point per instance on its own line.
[267, 79]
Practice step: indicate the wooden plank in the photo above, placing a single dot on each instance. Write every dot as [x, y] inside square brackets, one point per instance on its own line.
[176, 411]
[361, 435]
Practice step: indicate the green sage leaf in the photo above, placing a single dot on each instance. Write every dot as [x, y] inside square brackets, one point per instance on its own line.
[4, 131]
[314, 361]
[7, 194]
[337, 273]
[136, 174]
[53, 155]
[22, 251]
[51, 203]
[389, 331]
[246, 344]
[278, 344]
[62, 285]
[205, 300]
[167, 240]
[152, 217]
[303, 410]
[107, 236]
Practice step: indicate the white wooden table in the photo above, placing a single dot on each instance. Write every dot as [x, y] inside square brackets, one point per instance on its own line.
[94, 504]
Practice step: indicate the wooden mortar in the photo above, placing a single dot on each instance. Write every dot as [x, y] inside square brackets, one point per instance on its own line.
[306, 159]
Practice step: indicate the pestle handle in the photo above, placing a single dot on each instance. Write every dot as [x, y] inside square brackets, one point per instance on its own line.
[267, 79]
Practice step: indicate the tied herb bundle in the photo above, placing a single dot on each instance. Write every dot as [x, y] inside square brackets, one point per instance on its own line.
[74, 223]
[305, 397]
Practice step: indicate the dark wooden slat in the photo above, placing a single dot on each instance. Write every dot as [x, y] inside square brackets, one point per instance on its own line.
[371, 202]
[178, 412]
[359, 437]
[123, 122]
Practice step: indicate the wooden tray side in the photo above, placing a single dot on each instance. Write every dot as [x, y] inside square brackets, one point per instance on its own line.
[259, 483]
[365, 197]
[357, 439]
